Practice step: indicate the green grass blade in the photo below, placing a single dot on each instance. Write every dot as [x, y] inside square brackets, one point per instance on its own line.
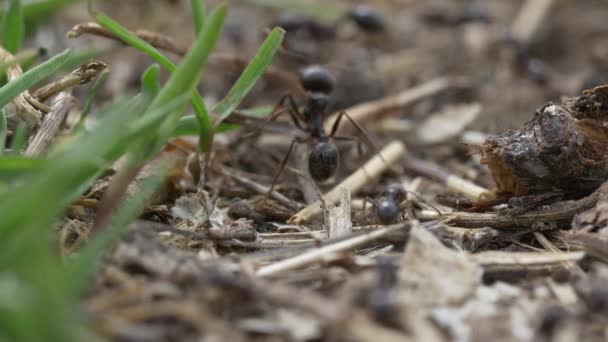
[206, 133]
[188, 125]
[24, 57]
[11, 166]
[85, 266]
[186, 77]
[254, 70]
[132, 40]
[150, 81]
[70, 172]
[86, 109]
[31, 77]
[3, 131]
[18, 138]
[198, 14]
[13, 27]
[32, 8]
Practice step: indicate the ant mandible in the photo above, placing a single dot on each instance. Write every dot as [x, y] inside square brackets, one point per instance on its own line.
[323, 160]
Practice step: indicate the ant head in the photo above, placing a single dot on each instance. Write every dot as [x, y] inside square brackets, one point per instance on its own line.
[323, 161]
[395, 192]
[367, 18]
[316, 78]
[387, 211]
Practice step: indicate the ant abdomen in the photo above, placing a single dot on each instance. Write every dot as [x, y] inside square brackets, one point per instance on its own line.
[387, 211]
[323, 161]
[316, 78]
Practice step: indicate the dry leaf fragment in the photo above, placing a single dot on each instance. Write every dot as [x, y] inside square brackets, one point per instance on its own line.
[432, 274]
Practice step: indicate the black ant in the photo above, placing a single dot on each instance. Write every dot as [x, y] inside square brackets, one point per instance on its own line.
[473, 12]
[533, 67]
[365, 17]
[323, 160]
[389, 208]
[381, 299]
[317, 30]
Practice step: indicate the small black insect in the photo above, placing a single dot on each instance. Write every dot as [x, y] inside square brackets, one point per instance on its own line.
[534, 68]
[292, 23]
[324, 159]
[367, 18]
[473, 12]
[381, 299]
[388, 208]
[393, 203]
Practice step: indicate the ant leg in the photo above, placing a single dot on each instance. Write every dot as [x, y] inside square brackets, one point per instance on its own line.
[371, 201]
[292, 110]
[336, 125]
[283, 163]
[424, 201]
[364, 136]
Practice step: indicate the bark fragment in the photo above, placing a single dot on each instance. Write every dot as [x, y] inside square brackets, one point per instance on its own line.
[562, 147]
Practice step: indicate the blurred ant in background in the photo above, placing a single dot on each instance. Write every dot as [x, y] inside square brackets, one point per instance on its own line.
[473, 12]
[534, 68]
[388, 209]
[365, 17]
[305, 33]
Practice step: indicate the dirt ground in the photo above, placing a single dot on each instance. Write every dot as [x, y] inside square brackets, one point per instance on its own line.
[223, 262]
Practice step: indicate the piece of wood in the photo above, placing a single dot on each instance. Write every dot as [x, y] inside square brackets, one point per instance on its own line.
[315, 255]
[530, 17]
[51, 124]
[562, 147]
[374, 110]
[561, 213]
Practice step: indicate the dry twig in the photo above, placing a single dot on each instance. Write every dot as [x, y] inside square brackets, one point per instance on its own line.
[167, 43]
[50, 124]
[371, 110]
[84, 74]
[496, 261]
[529, 19]
[261, 189]
[561, 212]
[316, 255]
[29, 109]
[453, 182]
[157, 40]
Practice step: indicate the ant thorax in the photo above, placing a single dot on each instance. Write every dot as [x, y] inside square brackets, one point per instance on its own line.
[314, 112]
